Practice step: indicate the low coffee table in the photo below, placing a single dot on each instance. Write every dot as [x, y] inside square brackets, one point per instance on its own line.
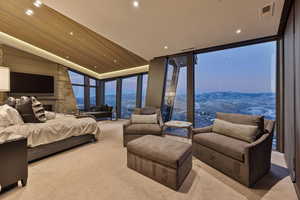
[180, 124]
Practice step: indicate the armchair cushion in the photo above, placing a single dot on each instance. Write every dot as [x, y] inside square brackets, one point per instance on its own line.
[247, 133]
[225, 145]
[146, 129]
[150, 111]
[144, 119]
[254, 120]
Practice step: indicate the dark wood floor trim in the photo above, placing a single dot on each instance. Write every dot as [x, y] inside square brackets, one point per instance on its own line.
[284, 16]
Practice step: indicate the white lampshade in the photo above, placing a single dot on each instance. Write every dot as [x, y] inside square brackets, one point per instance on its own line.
[4, 79]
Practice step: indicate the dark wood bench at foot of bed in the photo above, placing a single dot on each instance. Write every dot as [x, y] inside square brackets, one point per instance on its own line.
[42, 151]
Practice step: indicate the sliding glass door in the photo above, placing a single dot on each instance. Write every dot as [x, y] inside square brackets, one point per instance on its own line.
[238, 80]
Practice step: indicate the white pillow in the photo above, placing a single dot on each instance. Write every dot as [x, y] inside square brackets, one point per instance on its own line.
[144, 119]
[9, 116]
[50, 115]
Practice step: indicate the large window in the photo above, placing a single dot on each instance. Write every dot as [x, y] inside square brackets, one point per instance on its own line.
[84, 89]
[77, 81]
[175, 102]
[239, 80]
[236, 80]
[76, 78]
[110, 93]
[79, 95]
[129, 92]
[132, 94]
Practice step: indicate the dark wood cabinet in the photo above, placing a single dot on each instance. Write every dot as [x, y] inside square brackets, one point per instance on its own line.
[13, 162]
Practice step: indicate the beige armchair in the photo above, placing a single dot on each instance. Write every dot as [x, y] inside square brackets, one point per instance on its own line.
[134, 131]
[242, 161]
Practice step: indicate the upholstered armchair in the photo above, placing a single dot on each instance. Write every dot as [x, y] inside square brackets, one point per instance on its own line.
[246, 162]
[132, 131]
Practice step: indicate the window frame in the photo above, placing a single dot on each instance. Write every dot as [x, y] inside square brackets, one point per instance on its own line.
[119, 90]
[86, 85]
[191, 78]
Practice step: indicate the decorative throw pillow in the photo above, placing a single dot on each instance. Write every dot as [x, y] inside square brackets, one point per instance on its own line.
[38, 110]
[9, 116]
[11, 101]
[24, 107]
[30, 112]
[144, 119]
[50, 115]
[247, 133]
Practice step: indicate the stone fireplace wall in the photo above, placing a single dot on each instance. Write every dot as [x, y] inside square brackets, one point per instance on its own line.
[66, 101]
[63, 99]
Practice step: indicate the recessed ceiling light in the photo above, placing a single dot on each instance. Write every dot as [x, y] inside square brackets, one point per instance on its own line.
[238, 31]
[136, 4]
[115, 61]
[166, 47]
[95, 66]
[29, 12]
[71, 33]
[38, 3]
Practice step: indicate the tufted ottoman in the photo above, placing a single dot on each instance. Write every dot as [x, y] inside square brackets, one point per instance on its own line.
[161, 159]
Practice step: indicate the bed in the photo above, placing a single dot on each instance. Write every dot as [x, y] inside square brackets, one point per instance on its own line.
[53, 136]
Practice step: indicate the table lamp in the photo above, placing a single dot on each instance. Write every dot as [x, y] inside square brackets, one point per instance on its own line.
[4, 79]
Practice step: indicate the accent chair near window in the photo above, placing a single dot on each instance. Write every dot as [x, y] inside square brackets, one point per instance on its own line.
[136, 128]
[245, 157]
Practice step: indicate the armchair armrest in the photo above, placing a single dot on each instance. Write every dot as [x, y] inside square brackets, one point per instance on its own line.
[258, 157]
[125, 125]
[269, 126]
[206, 129]
[160, 121]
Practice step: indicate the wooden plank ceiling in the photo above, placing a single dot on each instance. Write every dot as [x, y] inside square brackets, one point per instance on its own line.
[51, 31]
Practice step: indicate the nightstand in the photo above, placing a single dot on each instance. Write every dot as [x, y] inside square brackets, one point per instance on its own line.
[13, 159]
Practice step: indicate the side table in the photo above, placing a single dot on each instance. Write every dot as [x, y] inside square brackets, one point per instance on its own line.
[180, 124]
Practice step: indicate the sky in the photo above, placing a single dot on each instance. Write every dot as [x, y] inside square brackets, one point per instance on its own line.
[250, 69]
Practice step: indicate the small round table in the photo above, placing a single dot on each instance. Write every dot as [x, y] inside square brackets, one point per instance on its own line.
[180, 124]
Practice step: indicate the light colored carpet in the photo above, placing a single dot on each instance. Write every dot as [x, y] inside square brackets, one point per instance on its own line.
[99, 171]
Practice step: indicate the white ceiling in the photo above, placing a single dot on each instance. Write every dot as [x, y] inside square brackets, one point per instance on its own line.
[178, 24]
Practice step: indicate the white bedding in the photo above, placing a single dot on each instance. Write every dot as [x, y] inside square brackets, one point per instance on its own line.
[62, 127]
